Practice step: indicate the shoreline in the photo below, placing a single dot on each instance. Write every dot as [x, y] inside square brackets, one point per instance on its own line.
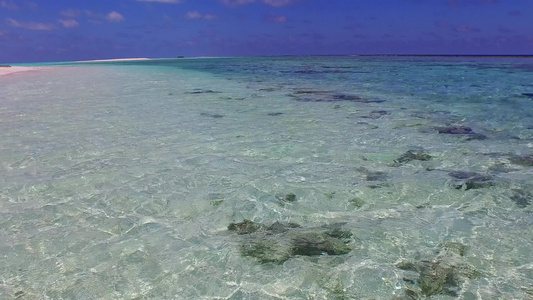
[112, 59]
[7, 70]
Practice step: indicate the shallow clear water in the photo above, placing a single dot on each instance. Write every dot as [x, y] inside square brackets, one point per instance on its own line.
[119, 180]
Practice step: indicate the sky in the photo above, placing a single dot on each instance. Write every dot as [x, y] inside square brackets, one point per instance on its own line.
[66, 30]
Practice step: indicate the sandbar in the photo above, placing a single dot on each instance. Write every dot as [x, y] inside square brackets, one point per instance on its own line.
[113, 59]
[5, 70]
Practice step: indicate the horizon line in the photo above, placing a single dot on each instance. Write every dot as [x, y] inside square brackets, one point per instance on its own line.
[302, 55]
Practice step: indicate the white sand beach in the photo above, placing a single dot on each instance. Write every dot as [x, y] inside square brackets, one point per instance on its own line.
[114, 59]
[15, 69]
[7, 69]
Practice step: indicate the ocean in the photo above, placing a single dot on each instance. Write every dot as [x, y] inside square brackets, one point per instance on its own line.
[319, 177]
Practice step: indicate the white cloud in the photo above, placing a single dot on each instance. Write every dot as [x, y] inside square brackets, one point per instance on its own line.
[236, 2]
[69, 23]
[193, 15]
[30, 25]
[70, 13]
[276, 19]
[161, 1]
[275, 3]
[9, 5]
[196, 15]
[114, 17]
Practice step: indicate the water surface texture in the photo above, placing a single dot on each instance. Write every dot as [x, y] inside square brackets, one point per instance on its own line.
[123, 180]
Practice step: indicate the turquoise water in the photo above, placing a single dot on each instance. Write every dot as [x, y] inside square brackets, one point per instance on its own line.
[119, 180]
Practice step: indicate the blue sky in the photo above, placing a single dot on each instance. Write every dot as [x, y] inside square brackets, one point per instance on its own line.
[61, 30]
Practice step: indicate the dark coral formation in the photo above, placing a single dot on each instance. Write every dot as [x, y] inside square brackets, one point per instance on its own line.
[373, 175]
[440, 274]
[475, 136]
[329, 96]
[454, 130]
[375, 114]
[279, 242]
[216, 116]
[522, 160]
[290, 197]
[501, 168]
[462, 130]
[200, 91]
[357, 202]
[470, 180]
[245, 227]
[522, 198]
[412, 155]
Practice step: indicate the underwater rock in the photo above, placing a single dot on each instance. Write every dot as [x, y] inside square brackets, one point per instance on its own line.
[244, 227]
[267, 250]
[5, 66]
[501, 168]
[19, 294]
[441, 274]
[369, 126]
[376, 114]
[454, 247]
[309, 71]
[329, 96]
[454, 130]
[522, 160]
[373, 175]
[216, 116]
[290, 197]
[313, 243]
[357, 202]
[378, 186]
[278, 227]
[475, 136]
[412, 155]
[462, 130]
[470, 180]
[462, 174]
[268, 89]
[376, 176]
[200, 91]
[279, 242]
[300, 92]
[336, 231]
[345, 97]
[522, 198]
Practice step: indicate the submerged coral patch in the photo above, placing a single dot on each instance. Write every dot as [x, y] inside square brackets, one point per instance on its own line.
[454, 130]
[279, 242]
[470, 180]
[440, 274]
[329, 96]
[201, 91]
[522, 198]
[215, 116]
[412, 155]
[522, 160]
